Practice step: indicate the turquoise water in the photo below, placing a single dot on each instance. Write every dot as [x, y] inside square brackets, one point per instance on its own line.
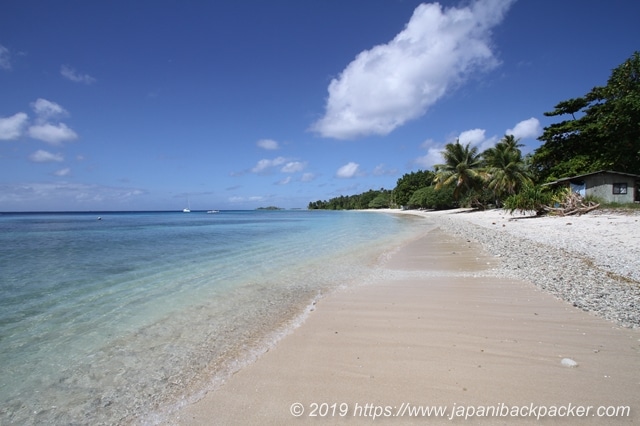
[120, 319]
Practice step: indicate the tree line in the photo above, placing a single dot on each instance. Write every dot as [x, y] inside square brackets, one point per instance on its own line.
[601, 132]
[372, 199]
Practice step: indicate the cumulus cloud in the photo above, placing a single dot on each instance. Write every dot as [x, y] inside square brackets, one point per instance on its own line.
[431, 158]
[46, 127]
[347, 171]
[473, 136]
[285, 181]
[53, 134]
[12, 127]
[5, 58]
[390, 84]
[476, 137]
[265, 165]
[526, 129]
[41, 156]
[72, 75]
[268, 144]
[47, 110]
[292, 167]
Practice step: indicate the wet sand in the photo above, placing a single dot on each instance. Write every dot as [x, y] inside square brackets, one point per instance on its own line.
[436, 329]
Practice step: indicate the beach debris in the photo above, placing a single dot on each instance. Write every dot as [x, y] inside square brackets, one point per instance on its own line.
[571, 203]
[568, 362]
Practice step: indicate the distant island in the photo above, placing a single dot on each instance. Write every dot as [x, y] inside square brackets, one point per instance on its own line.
[270, 208]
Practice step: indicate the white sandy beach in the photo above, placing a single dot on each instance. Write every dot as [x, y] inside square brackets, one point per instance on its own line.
[611, 240]
[445, 326]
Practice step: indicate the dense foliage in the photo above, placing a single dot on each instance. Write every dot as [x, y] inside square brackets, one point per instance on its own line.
[431, 198]
[410, 183]
[605, 135]
[371, 199]
[602, 133]
[530, 198]
[462, 169]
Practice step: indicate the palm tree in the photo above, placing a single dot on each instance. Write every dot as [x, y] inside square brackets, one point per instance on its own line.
[462, 169]
[511, 142]
[506, 169]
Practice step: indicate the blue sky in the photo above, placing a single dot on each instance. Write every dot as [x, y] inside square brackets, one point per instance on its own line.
[143, 105]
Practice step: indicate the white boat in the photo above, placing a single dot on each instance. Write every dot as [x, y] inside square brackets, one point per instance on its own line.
[188, 209]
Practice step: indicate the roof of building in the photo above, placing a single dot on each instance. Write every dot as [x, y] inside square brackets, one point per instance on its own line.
[591, 174]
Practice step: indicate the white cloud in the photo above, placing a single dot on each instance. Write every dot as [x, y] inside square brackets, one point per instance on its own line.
[285, 181]
[12, 127]
[526, 129]
[307, 177]
[52, 133]
[5, 58]
[292, 167]
[44, 130]
[71, 74]
[349, 170]
[41, 156]
[476, 137]
[384, 87]
[63, 172]
[268, 144]
[433, 157]
[47, 110]
[265, 164]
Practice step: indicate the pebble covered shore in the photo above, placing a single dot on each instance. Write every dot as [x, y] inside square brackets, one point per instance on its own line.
[591, 261]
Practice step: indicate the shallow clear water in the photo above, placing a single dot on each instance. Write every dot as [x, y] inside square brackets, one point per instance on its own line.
[116, 320]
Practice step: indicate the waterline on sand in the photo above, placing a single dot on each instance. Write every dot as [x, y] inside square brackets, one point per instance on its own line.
[109, 321]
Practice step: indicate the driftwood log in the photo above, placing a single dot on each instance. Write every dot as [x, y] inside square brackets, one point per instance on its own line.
[572, 204]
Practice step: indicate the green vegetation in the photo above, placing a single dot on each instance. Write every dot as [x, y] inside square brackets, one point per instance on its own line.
[530, 198]
[431, 198]
[409, 184]
[603, 133]
[507, 171]
[462, 171]
[368, 200]
[604, 136]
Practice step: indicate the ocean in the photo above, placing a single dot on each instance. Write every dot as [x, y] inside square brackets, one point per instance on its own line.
[121, 317]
